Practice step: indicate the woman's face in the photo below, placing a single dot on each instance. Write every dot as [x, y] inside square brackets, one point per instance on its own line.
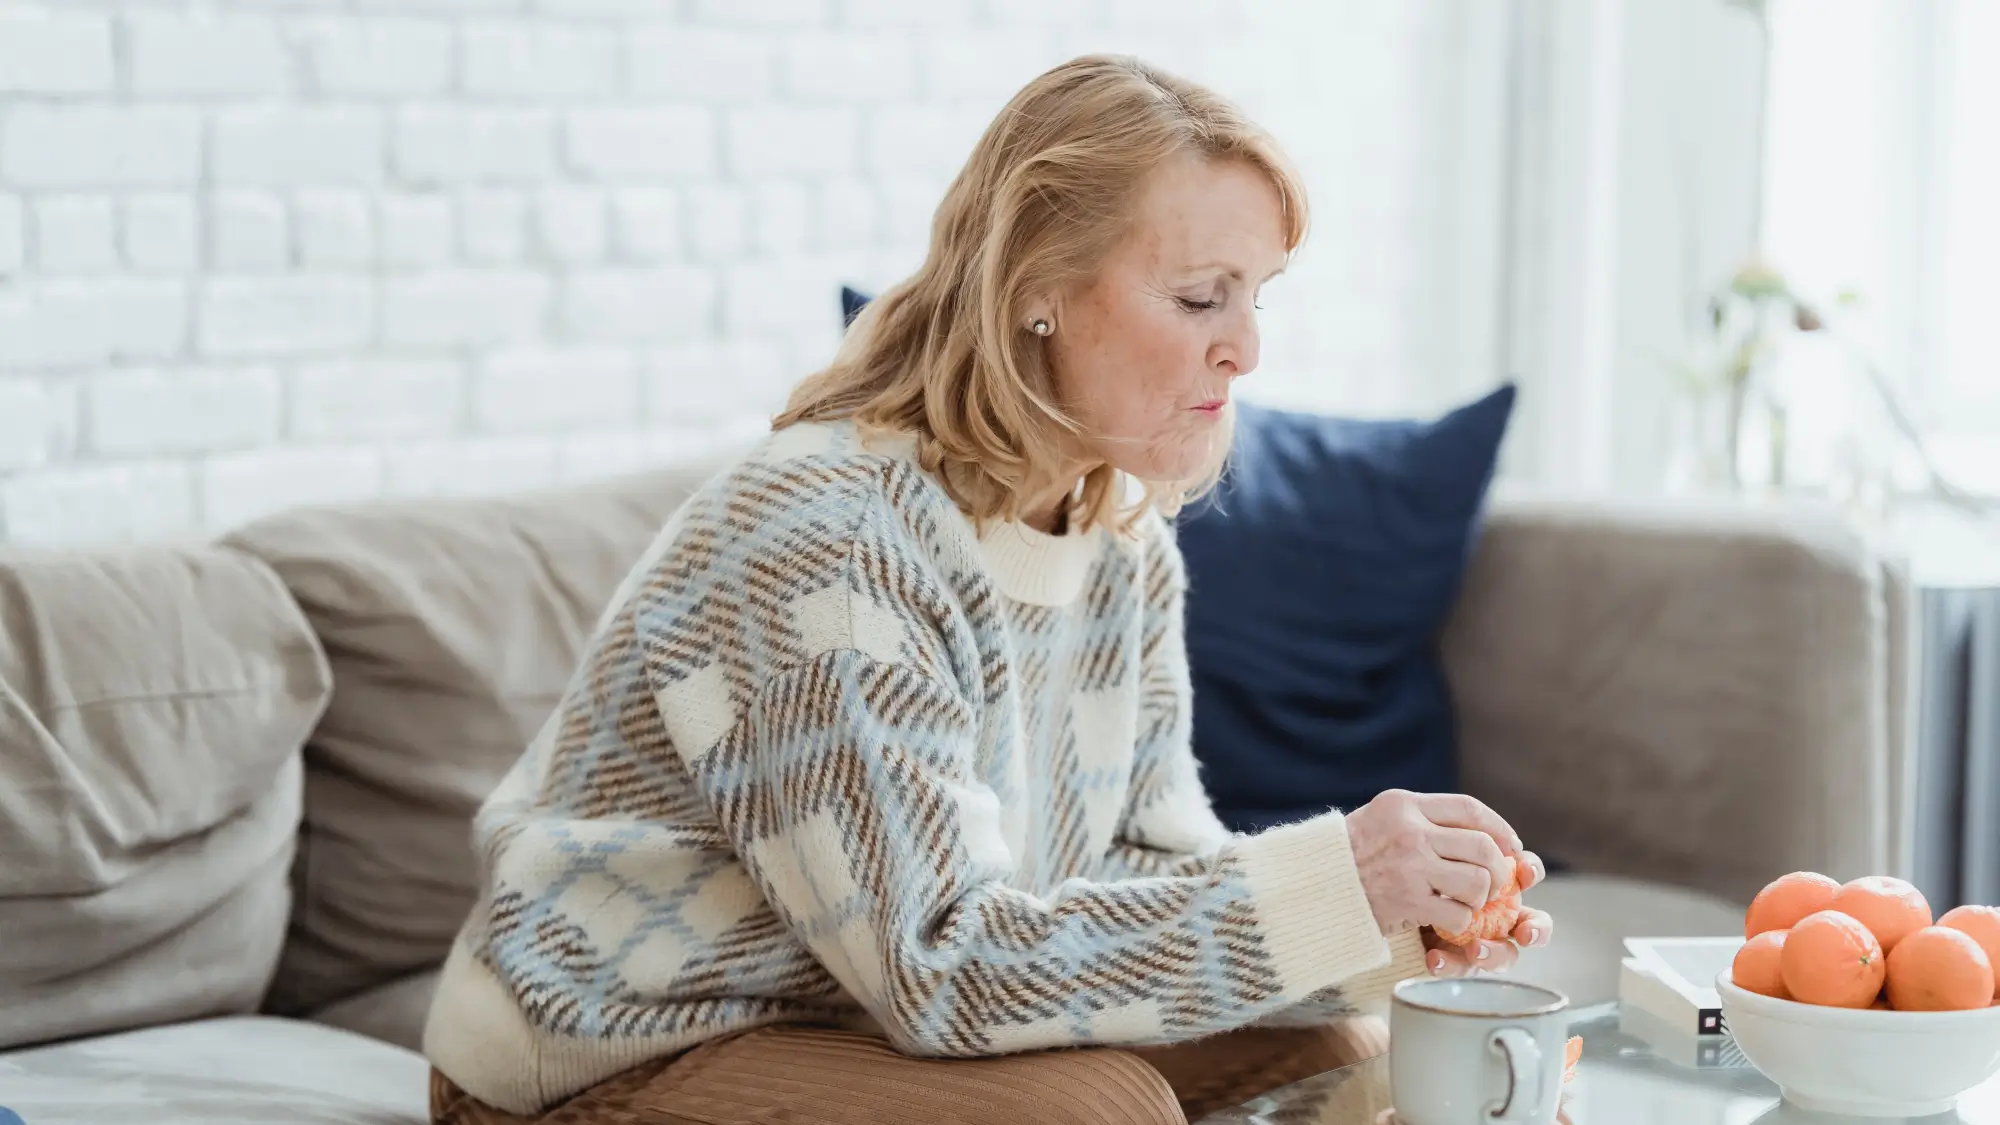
[1145, 354]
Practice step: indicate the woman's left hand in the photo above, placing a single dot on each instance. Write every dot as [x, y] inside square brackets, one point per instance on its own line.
[1535, 927]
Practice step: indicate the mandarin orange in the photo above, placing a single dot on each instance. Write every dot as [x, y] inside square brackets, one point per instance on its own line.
[1832, 959]
[1982, 923]
[1759, 965]
[1495, 921]
[1786, 899]
[1891, 908]
[1939, 969]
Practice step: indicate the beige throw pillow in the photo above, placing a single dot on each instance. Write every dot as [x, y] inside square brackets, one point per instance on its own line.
[453, 627]
[153, 702]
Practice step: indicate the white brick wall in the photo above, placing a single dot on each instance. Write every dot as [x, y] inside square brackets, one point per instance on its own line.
[296, 146]
[259, 253]
[43, 51]
[388, 58]
[55, 144]
[75, 234]
[159, 234]
[246, 232]
[174, 53]
[13, 235]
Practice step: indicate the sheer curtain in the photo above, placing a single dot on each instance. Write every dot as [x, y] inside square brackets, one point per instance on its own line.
[1964, 380]
[1632, 192]
[1882, 179]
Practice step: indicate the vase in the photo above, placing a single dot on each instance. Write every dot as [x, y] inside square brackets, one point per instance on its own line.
[1706, 443]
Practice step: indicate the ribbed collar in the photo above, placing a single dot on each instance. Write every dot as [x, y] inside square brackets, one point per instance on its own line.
[1035, 567]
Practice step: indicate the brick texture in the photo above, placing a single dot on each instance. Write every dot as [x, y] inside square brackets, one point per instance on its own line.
[13, 235]
[257, 253]
[47, 51]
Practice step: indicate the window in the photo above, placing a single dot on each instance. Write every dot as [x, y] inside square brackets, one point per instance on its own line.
[1968, 366]
[1882, 176]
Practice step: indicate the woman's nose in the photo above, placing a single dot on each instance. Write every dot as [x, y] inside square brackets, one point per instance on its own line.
[1236, 353]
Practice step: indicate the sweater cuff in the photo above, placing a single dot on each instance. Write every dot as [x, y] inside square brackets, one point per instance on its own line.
[1370, 992]
[1314, 914]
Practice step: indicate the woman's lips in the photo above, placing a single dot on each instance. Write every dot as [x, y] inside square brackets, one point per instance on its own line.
[1213, 408]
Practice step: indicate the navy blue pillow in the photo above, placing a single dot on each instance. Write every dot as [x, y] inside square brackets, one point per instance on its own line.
[851, 300]
[1320, 573]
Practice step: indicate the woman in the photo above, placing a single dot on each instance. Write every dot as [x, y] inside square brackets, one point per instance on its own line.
[874, 788]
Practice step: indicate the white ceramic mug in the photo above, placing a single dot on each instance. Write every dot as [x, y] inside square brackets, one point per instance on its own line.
[1476, 1051]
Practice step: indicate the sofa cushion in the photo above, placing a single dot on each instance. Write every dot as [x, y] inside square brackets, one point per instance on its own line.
[452, 627]
[153, 702]
[243, 1070]
[393, 1012]
[1320, 575]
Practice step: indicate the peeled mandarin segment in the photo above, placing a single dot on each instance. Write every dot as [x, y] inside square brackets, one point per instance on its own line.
[1982, 924]
[1572, 1054]
[1891, 908]
[1759, 965]
[1494, 921]
[1786, 899]
[1831, 959]
[1939, 969]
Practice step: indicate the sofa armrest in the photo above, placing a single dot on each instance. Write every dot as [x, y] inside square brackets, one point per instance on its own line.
[1700, 693]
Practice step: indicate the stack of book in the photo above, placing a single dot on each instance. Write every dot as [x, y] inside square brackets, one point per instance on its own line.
[1667, 996]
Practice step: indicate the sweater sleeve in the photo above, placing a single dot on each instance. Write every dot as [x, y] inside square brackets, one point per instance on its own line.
[1168, 826]
[849, 791]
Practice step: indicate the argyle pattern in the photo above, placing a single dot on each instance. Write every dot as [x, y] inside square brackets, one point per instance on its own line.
[818, 764]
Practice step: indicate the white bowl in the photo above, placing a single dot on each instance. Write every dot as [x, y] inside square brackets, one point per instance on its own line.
[1868, 1062]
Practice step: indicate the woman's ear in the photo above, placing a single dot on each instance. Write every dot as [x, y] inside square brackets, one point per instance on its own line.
[1042, 316]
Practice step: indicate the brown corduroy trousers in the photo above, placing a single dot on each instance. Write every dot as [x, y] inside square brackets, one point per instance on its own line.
[809, 1076]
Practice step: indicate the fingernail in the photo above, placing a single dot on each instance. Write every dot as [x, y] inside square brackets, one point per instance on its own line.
[1437, 962]
[1482, 951]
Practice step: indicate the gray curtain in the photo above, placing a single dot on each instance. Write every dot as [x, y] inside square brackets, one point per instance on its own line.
[1958, 747]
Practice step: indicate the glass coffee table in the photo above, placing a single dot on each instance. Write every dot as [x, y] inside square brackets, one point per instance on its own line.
[1630, 1075]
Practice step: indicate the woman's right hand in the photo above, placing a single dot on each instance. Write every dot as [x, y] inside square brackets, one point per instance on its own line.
[1428, 859]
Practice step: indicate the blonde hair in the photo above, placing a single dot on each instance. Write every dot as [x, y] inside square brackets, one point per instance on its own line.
[1051, 187]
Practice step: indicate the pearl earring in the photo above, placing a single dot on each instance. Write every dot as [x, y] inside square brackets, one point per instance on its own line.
[1042, 327]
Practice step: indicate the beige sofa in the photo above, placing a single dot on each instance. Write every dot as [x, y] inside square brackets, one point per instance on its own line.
[236, 776]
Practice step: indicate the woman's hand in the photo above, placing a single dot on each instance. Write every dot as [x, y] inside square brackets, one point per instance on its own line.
[1428, 859]
[1535, 927]
[1431, 860]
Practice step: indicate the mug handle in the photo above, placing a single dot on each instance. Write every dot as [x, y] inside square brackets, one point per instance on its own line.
[1524, 1066]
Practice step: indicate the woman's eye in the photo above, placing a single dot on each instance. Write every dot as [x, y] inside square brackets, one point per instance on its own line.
[1195, 306]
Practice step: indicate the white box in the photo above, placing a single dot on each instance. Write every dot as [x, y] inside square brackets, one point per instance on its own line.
[1691, 1052]
[1673, 980]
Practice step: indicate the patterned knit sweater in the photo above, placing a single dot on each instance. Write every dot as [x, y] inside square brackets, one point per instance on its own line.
[833, 756]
